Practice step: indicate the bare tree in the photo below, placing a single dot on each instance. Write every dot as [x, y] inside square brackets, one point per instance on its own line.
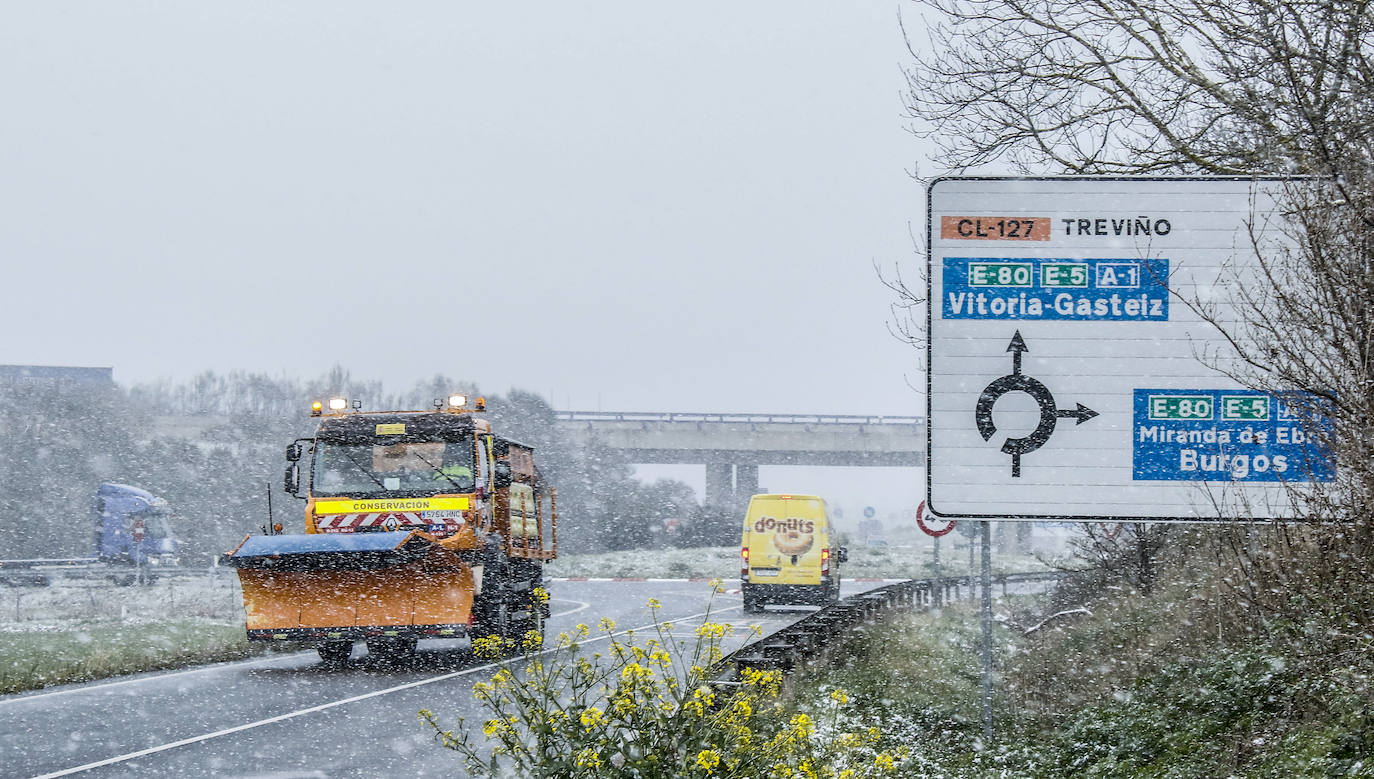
[1141, 86]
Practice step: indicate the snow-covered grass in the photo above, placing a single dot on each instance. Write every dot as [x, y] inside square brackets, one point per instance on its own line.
[74, 631]
[1132, 686]
[888, 562]
[97, 649]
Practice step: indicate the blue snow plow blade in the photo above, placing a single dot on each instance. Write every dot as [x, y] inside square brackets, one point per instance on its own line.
[343, 551]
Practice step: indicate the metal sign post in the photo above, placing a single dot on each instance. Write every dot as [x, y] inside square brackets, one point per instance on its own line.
[987, 630]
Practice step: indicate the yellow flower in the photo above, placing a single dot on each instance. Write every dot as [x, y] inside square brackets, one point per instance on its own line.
[488, 646]
[884, 761]
[715, 585]
[492, 726]
[591, 717]
[840, 697]
[654, 604]
[635, 672]
[541, 595]
[589, 758]
[712, 630]
[607, 624]
[708, 759]
[582, 631]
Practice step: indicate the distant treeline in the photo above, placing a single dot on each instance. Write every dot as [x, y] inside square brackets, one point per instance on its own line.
[213, 448]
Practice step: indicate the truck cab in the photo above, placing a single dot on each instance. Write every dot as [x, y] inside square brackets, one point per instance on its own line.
[131, 526]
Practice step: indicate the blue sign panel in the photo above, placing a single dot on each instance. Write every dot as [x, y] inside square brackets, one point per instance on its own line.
[1107, 290]
[1226, 435]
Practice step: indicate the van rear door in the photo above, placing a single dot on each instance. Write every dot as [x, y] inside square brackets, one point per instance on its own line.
[785, 535]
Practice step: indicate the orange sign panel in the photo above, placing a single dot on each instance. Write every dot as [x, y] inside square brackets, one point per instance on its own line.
[995, 228]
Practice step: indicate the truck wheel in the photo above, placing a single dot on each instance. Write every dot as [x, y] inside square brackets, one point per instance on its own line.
[335, 652]
[507, 608]
[526, 611]
[390, 649]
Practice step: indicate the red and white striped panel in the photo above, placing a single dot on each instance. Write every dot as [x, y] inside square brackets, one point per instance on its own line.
[351, 523]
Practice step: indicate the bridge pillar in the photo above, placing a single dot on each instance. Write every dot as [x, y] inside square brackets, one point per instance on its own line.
[720, 485]
[746, 484]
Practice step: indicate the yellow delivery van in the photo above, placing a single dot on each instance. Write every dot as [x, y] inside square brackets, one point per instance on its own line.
[786, 557]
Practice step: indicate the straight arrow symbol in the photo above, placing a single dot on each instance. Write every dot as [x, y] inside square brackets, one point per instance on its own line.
[1017, 345]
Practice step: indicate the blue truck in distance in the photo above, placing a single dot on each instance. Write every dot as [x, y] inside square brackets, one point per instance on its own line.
[133, 540]
[131, 526]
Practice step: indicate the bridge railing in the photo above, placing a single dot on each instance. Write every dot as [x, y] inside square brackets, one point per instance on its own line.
[780, 419]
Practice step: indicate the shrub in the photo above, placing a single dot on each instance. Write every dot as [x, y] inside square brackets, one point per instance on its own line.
[646, 707]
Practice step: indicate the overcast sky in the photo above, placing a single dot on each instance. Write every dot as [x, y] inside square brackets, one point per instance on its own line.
[618, 205]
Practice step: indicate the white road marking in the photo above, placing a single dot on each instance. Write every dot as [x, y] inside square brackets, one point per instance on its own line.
[323, 707]
[168, 675]
[582, 607]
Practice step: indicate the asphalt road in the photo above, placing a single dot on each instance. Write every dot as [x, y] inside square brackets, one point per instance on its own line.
[286, 716]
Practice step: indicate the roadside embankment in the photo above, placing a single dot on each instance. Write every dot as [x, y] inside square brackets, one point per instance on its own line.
[75, 631]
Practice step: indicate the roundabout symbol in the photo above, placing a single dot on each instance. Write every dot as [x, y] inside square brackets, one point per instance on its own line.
[1018, 382]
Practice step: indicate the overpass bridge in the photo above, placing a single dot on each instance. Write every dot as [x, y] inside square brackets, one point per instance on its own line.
[733, 446]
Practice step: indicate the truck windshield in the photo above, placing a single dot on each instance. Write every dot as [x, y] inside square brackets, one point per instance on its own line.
[411, 469]
[155, 525]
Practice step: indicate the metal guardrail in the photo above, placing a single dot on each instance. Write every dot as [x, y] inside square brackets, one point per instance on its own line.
[781, 419]
[813, 636]
[45, 576]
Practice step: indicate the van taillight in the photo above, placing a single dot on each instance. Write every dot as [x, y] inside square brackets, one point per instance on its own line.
[744, 562]
[825, 561]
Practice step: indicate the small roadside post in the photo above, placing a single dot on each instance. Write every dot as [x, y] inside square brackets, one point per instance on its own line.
[137, 533]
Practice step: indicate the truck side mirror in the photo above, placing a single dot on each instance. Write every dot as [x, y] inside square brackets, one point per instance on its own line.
[291, 480]
[842, 554]
[293, 452]
[501, 474]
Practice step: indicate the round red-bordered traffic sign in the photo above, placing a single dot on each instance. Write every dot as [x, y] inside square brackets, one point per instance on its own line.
[932, 525]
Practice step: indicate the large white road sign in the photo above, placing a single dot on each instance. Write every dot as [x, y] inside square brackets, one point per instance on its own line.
[1067, 371]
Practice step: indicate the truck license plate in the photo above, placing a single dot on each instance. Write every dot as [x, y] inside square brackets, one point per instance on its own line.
[765, 571]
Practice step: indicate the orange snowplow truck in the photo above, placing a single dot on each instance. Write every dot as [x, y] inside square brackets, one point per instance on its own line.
[418, 524]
